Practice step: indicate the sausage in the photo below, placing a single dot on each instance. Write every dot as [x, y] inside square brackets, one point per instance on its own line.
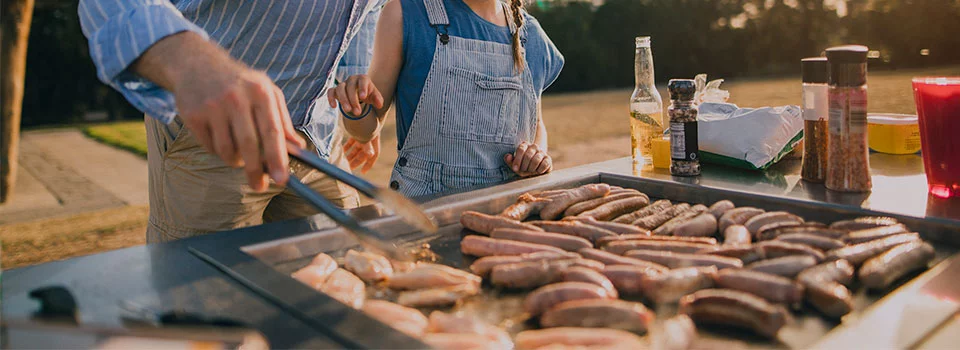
[529, 274]
[484, 246]
[772, 231]
[720, 207]
[607, 240]
[599, 313]
[776, 289]
[581, 207]
[880, 271]
[654, 207]
[736, 235]
[670, 286]
[734, 308]
[404, 319]
[678, 260]
[613, 259]
[863, 223]
[345, 287]
[468, 325]
[429, 275]
[628, 279]
[653, 221]
[575, 228]
[481, 267]
[437, 296]
[546, 297]
[840, 271]
[703, 225]
[676, 333]
[746, 253]
[562, 241]
[666, 228]
[737, 216]
[578, 338]
[621, 247]
[618, 228]
[608, 211]
[563, 201]
[587, 275]
[776, 249]
[369, 267]
[758, 221]
[818, 242]
[870, 234]
[858, 253]
[831, 298]
[484, 224]
[788, 266]
[453, 341]
[525, 206]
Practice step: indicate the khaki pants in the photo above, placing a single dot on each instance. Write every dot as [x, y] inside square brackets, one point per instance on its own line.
[193, 192]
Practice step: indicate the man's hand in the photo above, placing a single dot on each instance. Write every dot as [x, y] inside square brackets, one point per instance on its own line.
[235, 112]
[529, 160]
[362, 154]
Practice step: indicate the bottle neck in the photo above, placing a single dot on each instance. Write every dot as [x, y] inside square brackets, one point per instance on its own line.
[643, 67]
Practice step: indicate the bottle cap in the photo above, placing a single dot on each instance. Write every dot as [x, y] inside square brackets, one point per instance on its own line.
[815, 70]
[682, 89]
[643, 41]
[852, 54]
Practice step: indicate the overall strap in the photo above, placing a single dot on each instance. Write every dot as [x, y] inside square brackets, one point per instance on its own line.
[437, 14]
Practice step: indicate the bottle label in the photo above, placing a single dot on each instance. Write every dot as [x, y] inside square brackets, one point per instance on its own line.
[683, 141]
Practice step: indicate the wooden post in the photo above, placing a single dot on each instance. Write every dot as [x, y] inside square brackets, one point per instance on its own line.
[15, 16]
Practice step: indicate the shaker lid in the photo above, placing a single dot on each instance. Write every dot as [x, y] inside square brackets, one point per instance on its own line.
[815, 70]
[682, 89]
[847, 54]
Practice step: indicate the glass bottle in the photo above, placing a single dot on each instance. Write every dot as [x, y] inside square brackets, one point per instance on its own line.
[816, 80]
[848, 163]
[684, 142]
[646, 107]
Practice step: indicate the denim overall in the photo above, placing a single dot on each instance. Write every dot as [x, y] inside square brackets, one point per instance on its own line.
[475, 108]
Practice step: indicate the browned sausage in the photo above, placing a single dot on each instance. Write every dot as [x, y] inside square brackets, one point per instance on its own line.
[529, 274]
[703, 225]
[578, 338]
[670, 286]
[621, 247]
[666, 229]
[525, 206]
[831, 298]
[818, 242]
[746, 253]
[654, 207]
[653, 221]
[858, 253]
[870, 234]
[628, 279]
[608, 211]
[678, 260]
[581, 207]
[776, 249]
[546, 297]
[737, 216]
[484, 224]
[583, 274]
[788, 266]
[482, 266]
[840, 271]
[863, 223]
[618, 228]
[485, 246]
[734, 308]
[606, 240]
[599, 313]
[772, 231]
[563, 201]
[758, 221]
[880, 271]
[736, 235]
[774, 288]
[562, 241]
[613, 259]
[575, 228]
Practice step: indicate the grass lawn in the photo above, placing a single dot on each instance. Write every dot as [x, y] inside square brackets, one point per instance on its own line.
[130, 135]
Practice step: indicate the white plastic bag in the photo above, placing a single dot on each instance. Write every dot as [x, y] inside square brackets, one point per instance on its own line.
[752, 138]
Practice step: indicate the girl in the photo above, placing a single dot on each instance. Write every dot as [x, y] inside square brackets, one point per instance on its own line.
[466, 76]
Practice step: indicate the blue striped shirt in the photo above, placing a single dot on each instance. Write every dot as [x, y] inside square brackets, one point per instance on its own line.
[296, 42]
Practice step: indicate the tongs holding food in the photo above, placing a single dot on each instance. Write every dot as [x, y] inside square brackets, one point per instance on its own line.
[399, 205]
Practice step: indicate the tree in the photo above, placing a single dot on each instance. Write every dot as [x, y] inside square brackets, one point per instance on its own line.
[14, 32]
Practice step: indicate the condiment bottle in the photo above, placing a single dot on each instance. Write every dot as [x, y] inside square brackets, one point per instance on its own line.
[848, 164]
[816, 80]
[684, 148]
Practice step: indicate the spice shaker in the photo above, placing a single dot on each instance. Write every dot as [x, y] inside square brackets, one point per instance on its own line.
[816, 81]
[848, 164]
[684, 148]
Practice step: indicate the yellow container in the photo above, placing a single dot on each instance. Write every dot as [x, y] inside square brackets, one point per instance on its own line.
[661, 152]
[893, 133]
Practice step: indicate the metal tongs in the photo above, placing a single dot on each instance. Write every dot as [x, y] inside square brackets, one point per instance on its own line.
[399, 205]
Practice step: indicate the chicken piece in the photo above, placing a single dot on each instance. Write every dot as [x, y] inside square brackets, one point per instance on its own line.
[345, 287]
[368, 266]
[579, 337]
[317, 271]
[438, 296]
[407, 320]
[451, 341]
[441, 322]
[429, 275]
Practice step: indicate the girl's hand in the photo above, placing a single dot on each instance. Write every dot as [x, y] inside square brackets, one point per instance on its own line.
[362, 154]
[529, 160]
[350, 93]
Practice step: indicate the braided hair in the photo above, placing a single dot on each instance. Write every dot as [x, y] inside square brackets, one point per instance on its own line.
[516, 7]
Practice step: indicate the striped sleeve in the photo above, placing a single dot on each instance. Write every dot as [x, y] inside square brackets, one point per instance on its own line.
[119, 31]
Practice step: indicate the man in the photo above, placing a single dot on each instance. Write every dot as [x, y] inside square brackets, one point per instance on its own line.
[227, 84]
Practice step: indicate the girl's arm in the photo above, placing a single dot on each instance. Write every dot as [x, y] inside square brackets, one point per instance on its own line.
[541, 138]
[377, 87]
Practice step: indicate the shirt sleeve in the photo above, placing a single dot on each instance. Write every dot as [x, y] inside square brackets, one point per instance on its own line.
[119, 31]
[356, 60]
[552, 59]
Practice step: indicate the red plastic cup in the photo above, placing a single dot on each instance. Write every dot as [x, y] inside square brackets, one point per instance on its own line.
[938, 108]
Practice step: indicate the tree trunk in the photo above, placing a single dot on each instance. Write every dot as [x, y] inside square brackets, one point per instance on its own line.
[15, 16]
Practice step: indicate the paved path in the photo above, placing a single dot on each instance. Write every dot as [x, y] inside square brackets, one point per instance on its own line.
[63, 172]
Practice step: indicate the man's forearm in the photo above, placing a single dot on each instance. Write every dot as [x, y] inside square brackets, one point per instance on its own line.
[177, 56]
